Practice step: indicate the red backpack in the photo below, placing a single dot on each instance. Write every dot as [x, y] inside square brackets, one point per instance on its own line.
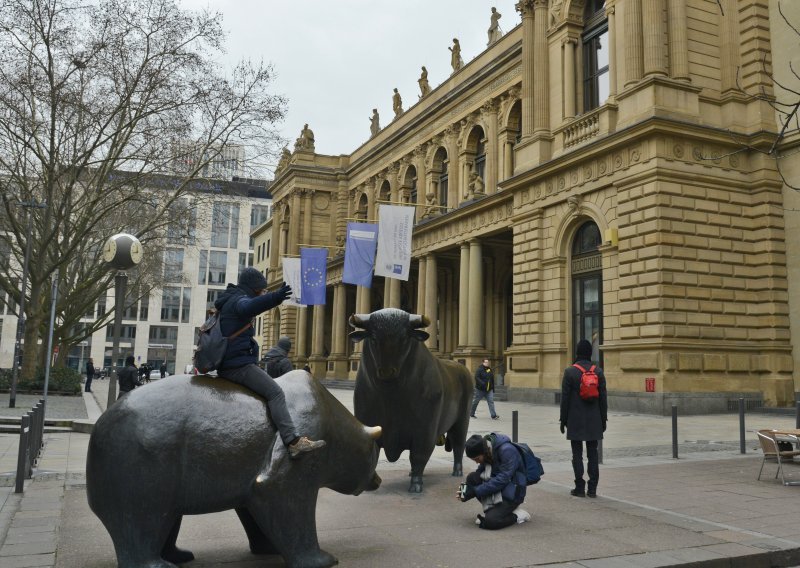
[590, 383]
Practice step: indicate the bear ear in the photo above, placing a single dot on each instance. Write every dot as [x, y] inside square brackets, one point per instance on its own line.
[420, 335]
[356, 336]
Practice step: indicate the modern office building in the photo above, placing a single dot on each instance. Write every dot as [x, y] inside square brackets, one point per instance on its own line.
[601, 171]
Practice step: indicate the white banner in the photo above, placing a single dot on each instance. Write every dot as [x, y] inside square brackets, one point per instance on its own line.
[394, 241]
[291, 275]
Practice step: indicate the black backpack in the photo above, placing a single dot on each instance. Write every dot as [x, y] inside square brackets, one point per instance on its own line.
[531, 464]
[211, 345]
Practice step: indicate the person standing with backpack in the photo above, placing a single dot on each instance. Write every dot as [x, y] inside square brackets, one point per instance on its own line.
[276, 361]
[584, 414]
[484, 388]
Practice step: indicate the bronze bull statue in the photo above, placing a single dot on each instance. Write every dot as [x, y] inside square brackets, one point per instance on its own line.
[192, 445]
[412, 395]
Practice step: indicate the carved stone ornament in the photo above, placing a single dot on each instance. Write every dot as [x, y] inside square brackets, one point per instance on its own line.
[555, 12]
[678, 150]
[573, 202]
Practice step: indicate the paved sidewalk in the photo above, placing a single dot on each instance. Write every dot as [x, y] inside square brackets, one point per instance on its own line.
[704, 509]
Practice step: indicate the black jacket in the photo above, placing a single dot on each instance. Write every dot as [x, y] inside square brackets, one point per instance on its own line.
[236, 309]
[129, 379]
[484, 378]
[89, 370]
[584, 418]
[276, 362]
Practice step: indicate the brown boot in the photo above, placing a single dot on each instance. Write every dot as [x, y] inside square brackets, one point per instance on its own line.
[303, 445]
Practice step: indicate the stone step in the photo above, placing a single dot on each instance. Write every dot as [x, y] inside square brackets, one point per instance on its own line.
[16, 420]
[14, 429]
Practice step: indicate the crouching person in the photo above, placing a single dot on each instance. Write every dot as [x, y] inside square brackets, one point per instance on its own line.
[499, 483]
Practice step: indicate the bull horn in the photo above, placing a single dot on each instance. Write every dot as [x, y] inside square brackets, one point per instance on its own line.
[418, 321]
[373, 432]
[359, 320]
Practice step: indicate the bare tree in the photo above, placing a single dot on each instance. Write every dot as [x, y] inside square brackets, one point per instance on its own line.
[96, 100]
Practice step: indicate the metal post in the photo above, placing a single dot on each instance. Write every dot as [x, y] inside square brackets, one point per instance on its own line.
[741, 426]
[515, 426]
[12, 401]
[120, 285]
[50, 334]
[674, 431]
[22, 455]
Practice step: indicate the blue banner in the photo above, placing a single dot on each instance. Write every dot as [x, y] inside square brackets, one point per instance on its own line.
[359, 253]
[313, 271]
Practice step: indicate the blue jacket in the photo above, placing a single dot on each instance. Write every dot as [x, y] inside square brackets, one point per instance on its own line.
[236, 309]
[508, 476]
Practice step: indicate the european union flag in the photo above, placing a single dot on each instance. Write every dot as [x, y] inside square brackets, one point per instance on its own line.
[313, 271]
[359, 253]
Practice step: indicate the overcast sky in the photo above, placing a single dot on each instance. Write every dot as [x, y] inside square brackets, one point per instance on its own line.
[336, 60]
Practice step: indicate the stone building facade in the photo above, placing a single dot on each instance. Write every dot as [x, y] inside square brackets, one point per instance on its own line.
[597, 172]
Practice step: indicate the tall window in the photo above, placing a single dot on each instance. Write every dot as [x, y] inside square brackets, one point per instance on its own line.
[173, 265]
[587, 289]
[443, 186]
[217, 262]
[225, 225]
[480, 160]
[184, 228]
[170, 304]
[595, 55]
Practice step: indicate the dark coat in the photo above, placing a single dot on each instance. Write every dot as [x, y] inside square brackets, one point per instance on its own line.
[236, 309]
[129, 379]
[484, 379]
[507, 473]
[277, 362]
[89, 370]
[584, 418]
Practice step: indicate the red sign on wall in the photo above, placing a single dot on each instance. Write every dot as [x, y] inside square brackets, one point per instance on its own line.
[650, 384]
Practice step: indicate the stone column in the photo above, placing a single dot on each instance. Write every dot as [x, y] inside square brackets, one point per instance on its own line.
[318, 331]
[431, 300]
[569, 77]
[476, 299]
[490, 174]
[337, 326]
[454, 189]
[463, 296]
[678, 41]
[307, 194]
[302, 334]
[274, 254]
[394, 293]
[284, 237]
[508, 159]
[294, 225]
[420, 309]
[729, 46]
[612, 52]
[525, 8]
[541, 75]
[655, 60]
[634, 65]
[365, 303]
[387, 292]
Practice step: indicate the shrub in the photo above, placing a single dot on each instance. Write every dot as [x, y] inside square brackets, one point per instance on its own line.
[62, 379]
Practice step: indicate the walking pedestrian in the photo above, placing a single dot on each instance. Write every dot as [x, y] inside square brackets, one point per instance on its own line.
[89, 375]
[584, 413]
[129, 376]
[484, 389]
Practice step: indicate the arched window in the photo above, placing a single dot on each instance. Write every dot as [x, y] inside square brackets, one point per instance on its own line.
[595, 55]
[480, 160]
[440, 171]
[587, 289]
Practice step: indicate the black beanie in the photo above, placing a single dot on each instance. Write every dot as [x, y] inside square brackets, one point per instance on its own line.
[285, 343]
[252, 280]
[475, 446]
[130, 360]
[584, 350]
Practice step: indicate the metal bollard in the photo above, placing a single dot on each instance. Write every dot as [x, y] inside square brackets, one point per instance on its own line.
[741, 426]
[22, 455]
[674, 431]
[515, 426]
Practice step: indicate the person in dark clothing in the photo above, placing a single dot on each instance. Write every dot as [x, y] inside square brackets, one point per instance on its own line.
[584, 420]
[276, 360]
[89, 375]
[237, 306]
[129, 376]
[484, 388]
[499, 482]
[163, 369]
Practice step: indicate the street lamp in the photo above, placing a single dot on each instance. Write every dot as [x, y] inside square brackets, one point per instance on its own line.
[33, 204]
[122, 251]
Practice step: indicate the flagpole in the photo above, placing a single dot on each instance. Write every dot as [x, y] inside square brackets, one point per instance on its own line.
[412, 204]
[362, 220]
[318, 246]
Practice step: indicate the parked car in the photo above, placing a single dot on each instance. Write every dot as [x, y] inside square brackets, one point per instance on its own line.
[155, 374]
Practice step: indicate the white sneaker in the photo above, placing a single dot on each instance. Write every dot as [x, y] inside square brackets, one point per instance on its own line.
[478, 520]
[523, 516]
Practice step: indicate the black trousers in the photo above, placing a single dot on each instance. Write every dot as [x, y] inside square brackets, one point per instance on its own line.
[88, 386]
[498, 516]
[258, 380]
[577, 464]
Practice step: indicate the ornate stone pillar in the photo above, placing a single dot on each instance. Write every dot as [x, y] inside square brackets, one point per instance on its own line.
[678, 40]
[612, 52]
[294, 225]
[729, 46]
[365, 303]
[476, 299]
[541, 75]
[490, 116]
[454, 189]
[525, 8]
[508, 159]
[284, 237]
[431, 300]
[274, 255]
[394, 292]
[302, 334]
[569, 77]
[421, 274]
[464, 278]
[307, 195]
[655, 60]
[318, 331]
[338, 331]
[634, 65]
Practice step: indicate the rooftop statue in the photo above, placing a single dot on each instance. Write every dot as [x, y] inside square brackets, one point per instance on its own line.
[455, 56]
[397, 103]
[306, 140]
[424, 86]
[494, 27]
[283, 163]
[374, 123]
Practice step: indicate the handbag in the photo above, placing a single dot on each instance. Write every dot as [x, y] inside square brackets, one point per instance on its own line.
[211, 345]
